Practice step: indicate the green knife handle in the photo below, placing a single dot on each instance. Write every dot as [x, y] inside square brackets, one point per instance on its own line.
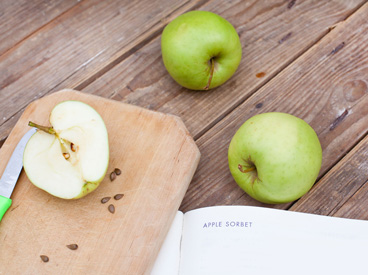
[4, 205]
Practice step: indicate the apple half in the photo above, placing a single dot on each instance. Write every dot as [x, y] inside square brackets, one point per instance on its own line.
[70, 158]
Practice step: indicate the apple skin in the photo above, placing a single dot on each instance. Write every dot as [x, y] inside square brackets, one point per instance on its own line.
[191, 40]
[283, 150]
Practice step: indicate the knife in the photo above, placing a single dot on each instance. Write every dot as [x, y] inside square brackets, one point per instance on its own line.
[11, 173]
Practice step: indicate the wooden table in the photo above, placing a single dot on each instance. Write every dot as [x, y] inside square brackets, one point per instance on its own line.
[306, 58]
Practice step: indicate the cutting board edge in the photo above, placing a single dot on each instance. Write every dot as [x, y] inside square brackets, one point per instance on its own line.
[15, 135]
[180, 123]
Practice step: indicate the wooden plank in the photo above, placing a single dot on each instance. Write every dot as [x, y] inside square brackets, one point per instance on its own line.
[343, 190]
[272, 35]
[327, 87]
[135, 72]
[84, 41]
[356, 206]
[19, 19]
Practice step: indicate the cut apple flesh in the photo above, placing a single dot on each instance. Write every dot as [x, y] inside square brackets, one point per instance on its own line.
[72, 162]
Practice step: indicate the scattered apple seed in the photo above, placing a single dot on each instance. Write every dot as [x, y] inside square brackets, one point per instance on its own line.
[44, 258]
[105, 199]
[117, 171]
[112, 176]
[111, 208]
[73, 246]
[118, 196]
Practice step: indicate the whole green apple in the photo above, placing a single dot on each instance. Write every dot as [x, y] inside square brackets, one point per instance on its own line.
[275, 157]
[200, 50]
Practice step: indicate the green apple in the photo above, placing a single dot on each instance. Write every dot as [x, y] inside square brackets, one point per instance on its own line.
[200, 50]
[70, 158]
[275, 157]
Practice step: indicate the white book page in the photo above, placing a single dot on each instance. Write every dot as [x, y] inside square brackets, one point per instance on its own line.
[254, 240]
[167, 261]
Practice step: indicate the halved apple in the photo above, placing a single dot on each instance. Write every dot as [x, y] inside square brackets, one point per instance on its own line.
[70, 158]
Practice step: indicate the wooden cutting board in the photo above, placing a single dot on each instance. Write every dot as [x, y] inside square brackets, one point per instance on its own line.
[157, 157]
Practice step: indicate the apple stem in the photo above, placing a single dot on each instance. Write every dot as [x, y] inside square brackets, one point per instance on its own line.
[246, 170]
[211, 74]
[49, 130]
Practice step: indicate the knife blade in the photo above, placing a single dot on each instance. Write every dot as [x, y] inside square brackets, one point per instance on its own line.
[12, 172]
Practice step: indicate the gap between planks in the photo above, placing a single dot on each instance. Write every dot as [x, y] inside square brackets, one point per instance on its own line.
[123, 53]
[337, 202]
[330, 42]
[276, 73]
[14, 46]
[351, 148]
[147, 37]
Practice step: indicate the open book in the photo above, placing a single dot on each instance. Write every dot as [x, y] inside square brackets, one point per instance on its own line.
[255, 240]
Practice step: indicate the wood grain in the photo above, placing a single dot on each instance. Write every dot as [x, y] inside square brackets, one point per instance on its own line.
[82, 43]
[157, 158]
[355, 208]
[19, 19]
[318, 87]
[307, 58]
[142, 79]
[338, 192]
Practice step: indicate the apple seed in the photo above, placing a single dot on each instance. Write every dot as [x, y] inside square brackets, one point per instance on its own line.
[73, 246]
[44, 258]
[112, 176]
[73, 147]
[66, 155]
[118, 196]
[111, 208]
[117, 171]
[105, 199]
